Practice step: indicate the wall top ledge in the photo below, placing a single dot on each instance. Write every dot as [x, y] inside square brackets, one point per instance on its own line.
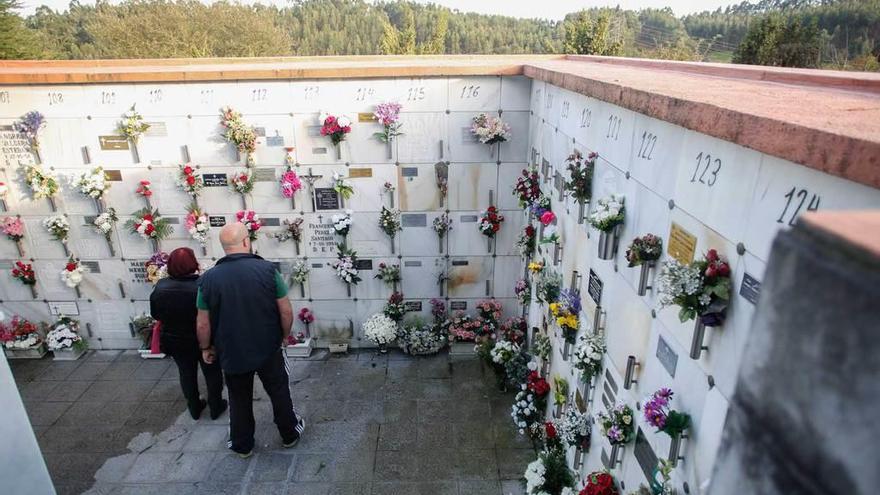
[826, 120]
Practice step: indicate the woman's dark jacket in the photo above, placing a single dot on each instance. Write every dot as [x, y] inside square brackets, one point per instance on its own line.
[173, 302]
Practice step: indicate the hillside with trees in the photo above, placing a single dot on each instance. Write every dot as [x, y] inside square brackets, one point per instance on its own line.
[807, 33]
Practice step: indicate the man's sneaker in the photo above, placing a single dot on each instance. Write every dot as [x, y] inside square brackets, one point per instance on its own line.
[245, 455]
[300, 428]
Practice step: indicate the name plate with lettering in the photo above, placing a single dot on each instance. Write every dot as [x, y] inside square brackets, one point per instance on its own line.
[113, 143]
[172, 220]
[275, 141]
[467, 136]
[91, 266]
[113, 175]
[355, 173]
[413, 305]
[468, 218]
[594, 287]
[364, 264]
[215, 180]
[460, 262]
[260, 131]
[157, 129]
[409, 171]
[319, 151]
[750, 289]
[667, 357]
[458, 305]
[313, 130]
[682, 244]
[326, 198]
[264, 174]
[645, 455]
[66, 308]
[317, 265]
[271, 222]
[217, 221]
[412, 263]
[366, 117]
[414, 220]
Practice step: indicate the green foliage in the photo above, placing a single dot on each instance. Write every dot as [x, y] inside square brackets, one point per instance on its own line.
[404, 41]
[592, 35]
[780, 41]
[16, 40]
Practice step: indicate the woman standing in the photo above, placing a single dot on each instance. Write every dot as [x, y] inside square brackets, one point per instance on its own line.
[173, 302]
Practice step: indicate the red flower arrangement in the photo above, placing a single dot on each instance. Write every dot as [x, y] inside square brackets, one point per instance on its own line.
[25, 273]
[144, 189]
[306, 316]
[537, 384]
[335, 127]
[527, 188]
[600, 483]
[490, 222]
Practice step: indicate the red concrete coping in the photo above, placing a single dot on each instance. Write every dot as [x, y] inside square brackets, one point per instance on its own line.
[859, 228]
[825, 128]
[826, 120]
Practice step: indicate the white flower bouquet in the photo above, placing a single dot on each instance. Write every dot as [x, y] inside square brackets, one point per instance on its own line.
[503, 351]
[345, 266]
[42, 183]
[105, 222]
[342, 222]
[93, 183]
[588, 355]
[58, 226]
[299, 272]
[609, 213]
[380, 329]
[72, 274]
[198, 224]
[242, 181]
[490, 130]
[64, 334]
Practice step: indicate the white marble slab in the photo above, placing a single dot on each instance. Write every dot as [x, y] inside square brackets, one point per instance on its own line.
[262, 97]
[417, 188]
[515, 93]
[654, 155]
[475, 93]
[421, 240]
[420, 275]
[472, 186]
[463, 145]
[206, 99]
[473, 279]
[425, 138]
[516, 149]
[161, 100]
[422, 95]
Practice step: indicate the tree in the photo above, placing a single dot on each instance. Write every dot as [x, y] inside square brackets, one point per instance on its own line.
[780, 41]
[16, 40]
[589, 36]
[405, 41]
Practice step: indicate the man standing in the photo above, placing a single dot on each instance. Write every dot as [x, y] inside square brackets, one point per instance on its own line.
[244, 316]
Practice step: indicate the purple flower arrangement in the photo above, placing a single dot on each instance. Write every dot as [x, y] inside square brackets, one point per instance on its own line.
[659, 415]
[618, 424]
[30, 125]
[388, 114]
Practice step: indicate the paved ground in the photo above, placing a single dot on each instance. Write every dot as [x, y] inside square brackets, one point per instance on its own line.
[112, 423]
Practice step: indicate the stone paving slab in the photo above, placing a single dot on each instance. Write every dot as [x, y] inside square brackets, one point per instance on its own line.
[112, 424]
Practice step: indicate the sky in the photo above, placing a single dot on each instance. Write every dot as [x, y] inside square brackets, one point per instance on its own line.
[549, 9]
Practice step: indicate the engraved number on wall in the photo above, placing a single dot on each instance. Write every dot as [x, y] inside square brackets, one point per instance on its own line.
[798, 197]
[586, 118]
[311, 92]
[469, 91]
[259, 94]
[108, 97]
[415, 93]
[4, 97]
[646, 148]
[706, 170]
[55, 98]
[363, 93]
[155, 96]
[613, 127]
[565, 109]
[206, 96]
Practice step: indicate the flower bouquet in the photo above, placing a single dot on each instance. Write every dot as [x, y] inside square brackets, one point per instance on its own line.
[198, 225]
[342, 223]
[389, 222]
[574, 429]
[618, 425]
[523, 291]
[490, 222]
[156, 267]
[13, 229]
[549, 474]
[527, 188]
[59, 228]
[489, 130]
[550, 233]
[701, 289]
[189, 182]
[238, 133]
[580, 179]
[104, 223]
[24, 273]
[29, 125]
[441, 173]
[535, 267]
[149, 225]
[345, 265]
[395, 308]
[388, 114]
[542, 345]
[560, 392]
[4, 190]
[292, 231]
[21, 339]
[93, 183]
[588, 355]
[133, 126]
[43, 184]
[418, 339]
[442, 225]
[462, 328]
[144, 190]
[381, 330]
[72, 275]
[528, 409]
[540, 206]
[390, 274]
[299, 273]
[335, 128]
[489, 310]
[290, 184]
[644, 251]
[65, 341]
[343, 188]
[251, 220]
[659, 415]
[242, 182]
[608, 215]
[600, 483]
[142, 326]
[566, 311]
[501, 354]
[548, 287]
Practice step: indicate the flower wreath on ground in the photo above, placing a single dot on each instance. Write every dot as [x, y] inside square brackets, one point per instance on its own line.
[380, 329]
[64, 334]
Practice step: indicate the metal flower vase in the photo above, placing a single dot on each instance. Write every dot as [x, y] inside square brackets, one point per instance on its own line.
[607, 244]
[644, 274]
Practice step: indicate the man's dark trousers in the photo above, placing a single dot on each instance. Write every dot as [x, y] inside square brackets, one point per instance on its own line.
[273, 373]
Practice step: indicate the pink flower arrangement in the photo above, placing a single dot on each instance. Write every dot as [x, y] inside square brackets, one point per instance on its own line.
[306, 316]
[144, 189]
[13, 227]
[547, 218]
[296, 339]
[463, 328]
[290, 183]
[251, 220]
[388, 114]
[489, 310]
[335, 127]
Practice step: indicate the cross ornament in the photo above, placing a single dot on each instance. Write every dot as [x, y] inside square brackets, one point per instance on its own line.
[310, 180]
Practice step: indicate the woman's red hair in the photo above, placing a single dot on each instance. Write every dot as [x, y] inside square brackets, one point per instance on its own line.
[182, 262]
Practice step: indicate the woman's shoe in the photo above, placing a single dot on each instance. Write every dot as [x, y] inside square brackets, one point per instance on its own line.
[195, 410]
[217, 411]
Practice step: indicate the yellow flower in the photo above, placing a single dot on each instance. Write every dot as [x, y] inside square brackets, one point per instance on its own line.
[554, 308]
[536, 266]
[567, 320]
